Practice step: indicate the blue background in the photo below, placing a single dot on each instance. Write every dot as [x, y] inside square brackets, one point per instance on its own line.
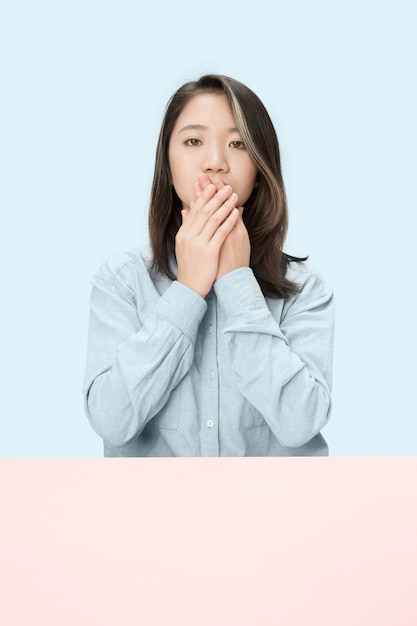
[84, 86]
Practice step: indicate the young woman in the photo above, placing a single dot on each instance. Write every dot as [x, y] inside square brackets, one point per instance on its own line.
[211, 341]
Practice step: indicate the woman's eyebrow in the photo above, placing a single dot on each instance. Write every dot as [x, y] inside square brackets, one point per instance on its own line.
[202, 127]
[193, 127]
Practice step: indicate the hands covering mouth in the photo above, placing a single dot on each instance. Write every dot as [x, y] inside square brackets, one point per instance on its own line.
[212, 239]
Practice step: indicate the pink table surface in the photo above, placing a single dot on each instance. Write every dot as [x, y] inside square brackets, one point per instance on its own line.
[203, 542]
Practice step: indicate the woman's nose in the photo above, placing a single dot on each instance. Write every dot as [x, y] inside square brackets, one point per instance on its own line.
[215, 161]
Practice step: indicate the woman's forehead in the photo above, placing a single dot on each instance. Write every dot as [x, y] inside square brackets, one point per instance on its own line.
[206, 110]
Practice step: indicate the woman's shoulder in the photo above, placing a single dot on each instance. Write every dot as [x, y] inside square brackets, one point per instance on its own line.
[125, 264]
[130, 274]
[309, 280]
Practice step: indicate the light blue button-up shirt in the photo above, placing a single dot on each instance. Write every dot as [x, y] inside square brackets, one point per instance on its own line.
[170, 373]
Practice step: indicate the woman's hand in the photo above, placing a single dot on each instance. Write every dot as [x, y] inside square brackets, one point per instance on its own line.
[235, 250]
[205, 227]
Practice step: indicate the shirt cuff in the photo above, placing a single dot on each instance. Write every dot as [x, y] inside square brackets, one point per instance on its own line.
[182, 307]
[237, 290]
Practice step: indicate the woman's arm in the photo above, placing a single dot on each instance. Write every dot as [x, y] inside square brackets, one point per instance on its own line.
[132, 364]
[283, 368]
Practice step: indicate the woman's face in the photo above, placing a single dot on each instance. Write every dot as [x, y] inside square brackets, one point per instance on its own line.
[205, 140]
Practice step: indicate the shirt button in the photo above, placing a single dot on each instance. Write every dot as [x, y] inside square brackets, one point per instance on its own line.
[211, 375]
[210, 423]
[210, 329]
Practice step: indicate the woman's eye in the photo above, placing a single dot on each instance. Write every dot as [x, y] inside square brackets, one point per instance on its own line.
[193, 142]
[238, 144]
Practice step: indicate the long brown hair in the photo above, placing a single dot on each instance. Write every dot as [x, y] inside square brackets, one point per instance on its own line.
[265, 214]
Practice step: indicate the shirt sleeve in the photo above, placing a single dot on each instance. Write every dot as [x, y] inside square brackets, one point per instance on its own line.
[282, 367]
[133, 365]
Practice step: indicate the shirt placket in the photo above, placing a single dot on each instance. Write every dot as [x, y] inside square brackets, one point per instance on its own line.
[209, 430]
